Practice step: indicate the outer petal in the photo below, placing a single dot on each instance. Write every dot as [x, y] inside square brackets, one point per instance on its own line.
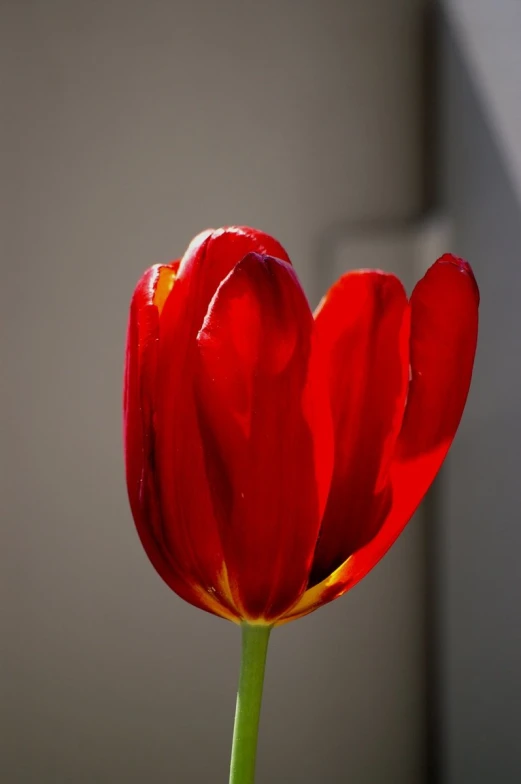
[138, 414]
[444, 326]
[267, 435]
[142, 335]
[190, 528]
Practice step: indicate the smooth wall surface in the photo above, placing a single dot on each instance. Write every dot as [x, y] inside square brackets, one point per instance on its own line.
[481, 532]
[130, 127]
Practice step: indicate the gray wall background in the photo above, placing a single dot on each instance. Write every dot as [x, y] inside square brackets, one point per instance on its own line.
[129, 127]
[480, 579]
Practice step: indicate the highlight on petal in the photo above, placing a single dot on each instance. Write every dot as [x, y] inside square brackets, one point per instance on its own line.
[265, 420]
[444, 326]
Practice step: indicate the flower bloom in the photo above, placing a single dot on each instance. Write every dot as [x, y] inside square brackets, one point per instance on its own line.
[274, 455]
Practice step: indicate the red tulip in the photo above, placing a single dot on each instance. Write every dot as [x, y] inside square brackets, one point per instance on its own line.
[273, 456]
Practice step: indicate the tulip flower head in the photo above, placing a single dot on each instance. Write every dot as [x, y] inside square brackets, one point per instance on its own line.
[274, 455]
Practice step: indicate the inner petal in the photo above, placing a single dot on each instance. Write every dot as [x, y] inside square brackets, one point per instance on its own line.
[363, 330]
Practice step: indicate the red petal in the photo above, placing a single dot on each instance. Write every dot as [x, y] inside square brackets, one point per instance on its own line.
[142, 334]
[444, 327]
[363, 330]
[138, 412]
[191, 530]
[211, 256]
[266, 432]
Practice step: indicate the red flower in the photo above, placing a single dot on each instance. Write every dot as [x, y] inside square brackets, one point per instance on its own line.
[274, 456]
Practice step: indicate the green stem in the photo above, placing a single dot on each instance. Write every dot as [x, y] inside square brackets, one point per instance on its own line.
[249, 697]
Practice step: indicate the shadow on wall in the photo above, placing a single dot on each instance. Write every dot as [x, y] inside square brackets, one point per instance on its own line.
[481, 533]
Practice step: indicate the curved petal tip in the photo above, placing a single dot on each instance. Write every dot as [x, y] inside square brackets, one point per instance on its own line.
[462, 265]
